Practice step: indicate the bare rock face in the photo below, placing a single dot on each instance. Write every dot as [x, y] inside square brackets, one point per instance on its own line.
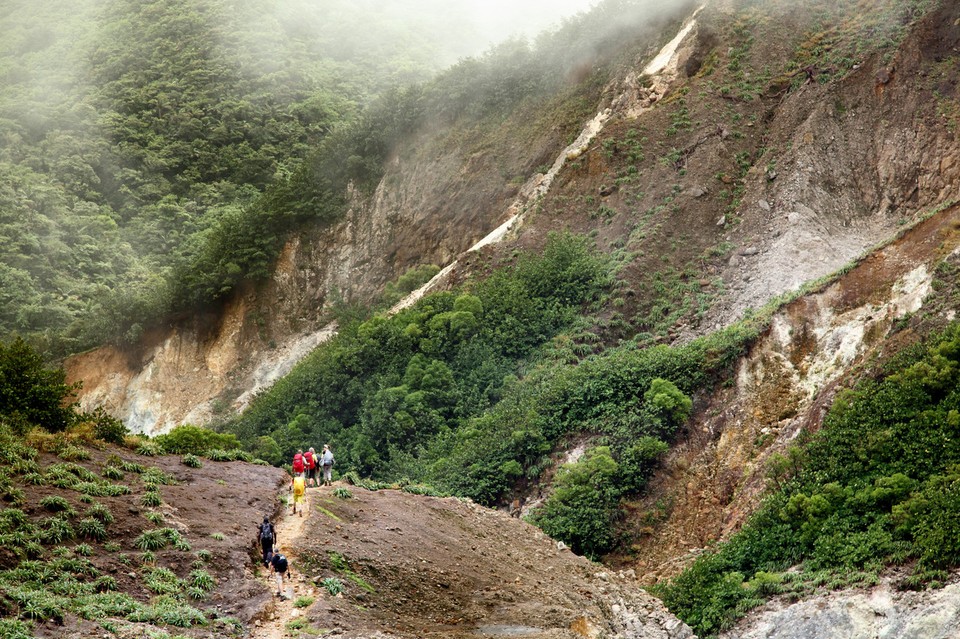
[881, 612]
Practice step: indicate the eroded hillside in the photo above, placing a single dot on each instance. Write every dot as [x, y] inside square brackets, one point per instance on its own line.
[418, 566]
[782, 143]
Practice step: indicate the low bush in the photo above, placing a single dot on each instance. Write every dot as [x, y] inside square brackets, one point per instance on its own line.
[333, 585]
[149, 448]
[195, 440]
[92, 528]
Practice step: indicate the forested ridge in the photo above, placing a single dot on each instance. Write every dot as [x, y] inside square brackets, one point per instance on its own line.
[155, 155]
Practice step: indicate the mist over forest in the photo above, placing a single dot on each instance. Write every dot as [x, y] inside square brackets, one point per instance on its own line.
[155, 155]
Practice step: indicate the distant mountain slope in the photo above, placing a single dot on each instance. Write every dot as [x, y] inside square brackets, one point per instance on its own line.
[136, 136]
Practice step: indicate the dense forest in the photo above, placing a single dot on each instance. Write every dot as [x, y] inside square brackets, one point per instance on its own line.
[155, 155]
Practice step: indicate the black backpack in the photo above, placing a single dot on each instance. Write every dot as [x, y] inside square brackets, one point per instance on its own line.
[266, 531]
[280, 563]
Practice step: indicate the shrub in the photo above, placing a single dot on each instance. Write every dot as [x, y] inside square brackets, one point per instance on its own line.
[73, 453]
[35, 479]
[341, 492]
[151, 539]
[12, 629]
[333, 585]
[580, 511]
[192, 461]
[303, 602]
[195, 440]
[149, 448]
[97, 489]
[151, 499]
[15, 496]
[422, 489]
[162, 581]
[101, 512]
[105, 583]
[56, 530]
[130, 467]
[218, 455]
[91, 528]
[201, 579]
[76, 470]
[154, 475]
[112, 472]
[30, 393]
[105, 427]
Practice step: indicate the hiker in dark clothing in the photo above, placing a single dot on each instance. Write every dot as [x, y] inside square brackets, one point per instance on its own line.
[268, 537]
[279, 564]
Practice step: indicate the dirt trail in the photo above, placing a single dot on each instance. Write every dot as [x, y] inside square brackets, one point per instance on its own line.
[290, 529]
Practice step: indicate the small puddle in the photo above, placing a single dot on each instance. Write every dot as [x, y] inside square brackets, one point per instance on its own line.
[502, 630]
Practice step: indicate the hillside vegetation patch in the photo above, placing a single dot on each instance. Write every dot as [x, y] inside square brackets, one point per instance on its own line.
[876, 487]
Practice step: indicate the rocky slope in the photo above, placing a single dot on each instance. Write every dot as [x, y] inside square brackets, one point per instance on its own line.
[881, 612]
[441, 195]
[421, 567]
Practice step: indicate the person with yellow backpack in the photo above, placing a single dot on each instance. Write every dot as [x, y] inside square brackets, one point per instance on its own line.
[299, 493]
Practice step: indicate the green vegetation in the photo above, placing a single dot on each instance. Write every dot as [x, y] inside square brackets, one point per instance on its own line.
[44, 578]
[174, 147]
[31, 394]
[333, 585]
[876, 486]
[400, 382]
[469, 392]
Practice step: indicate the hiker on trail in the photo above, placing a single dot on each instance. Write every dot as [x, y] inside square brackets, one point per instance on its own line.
[326, 460]
[299, 493]
[279, 564]
[298, 463]
[268, 538]
[311, 462]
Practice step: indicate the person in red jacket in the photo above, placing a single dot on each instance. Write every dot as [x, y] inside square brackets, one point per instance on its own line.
[310, 461]
[298, 463]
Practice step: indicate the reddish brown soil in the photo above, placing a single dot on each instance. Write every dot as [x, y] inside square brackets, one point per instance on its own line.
[198, 507]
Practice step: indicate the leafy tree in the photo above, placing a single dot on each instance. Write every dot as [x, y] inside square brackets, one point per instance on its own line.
[582, 508]
[30, 393]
